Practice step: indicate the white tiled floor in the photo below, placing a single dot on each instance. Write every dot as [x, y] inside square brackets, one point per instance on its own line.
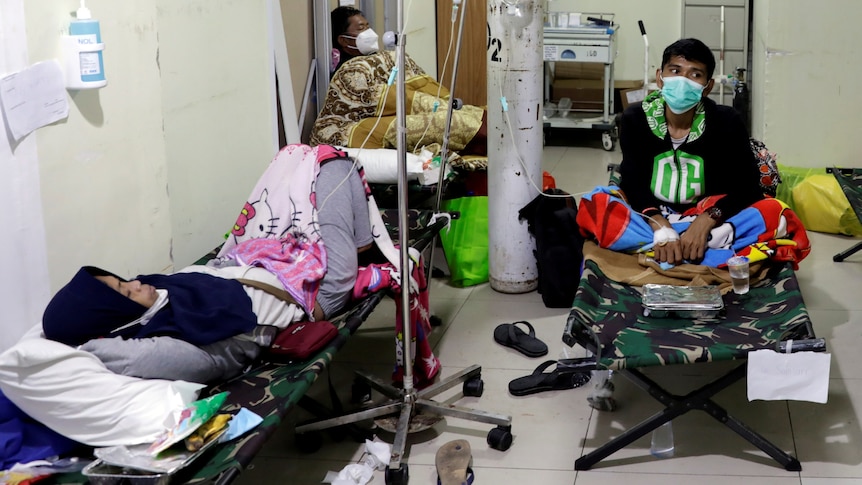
[552, 429]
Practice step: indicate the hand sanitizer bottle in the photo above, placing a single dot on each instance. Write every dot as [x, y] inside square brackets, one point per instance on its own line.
[88, 39]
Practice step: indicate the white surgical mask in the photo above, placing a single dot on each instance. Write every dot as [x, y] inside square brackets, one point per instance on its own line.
[160, 303]
[366, 41]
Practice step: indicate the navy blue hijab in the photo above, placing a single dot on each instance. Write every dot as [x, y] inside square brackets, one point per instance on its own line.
[202, 309]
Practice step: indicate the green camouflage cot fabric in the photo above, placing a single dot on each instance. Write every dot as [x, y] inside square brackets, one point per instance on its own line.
[850, 181]
[417, 220]
[611, 314]
[269, 391]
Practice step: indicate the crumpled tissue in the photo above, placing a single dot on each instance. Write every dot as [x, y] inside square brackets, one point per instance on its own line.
[376, 458]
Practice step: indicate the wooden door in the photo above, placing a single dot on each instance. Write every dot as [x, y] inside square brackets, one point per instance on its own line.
[471, 80]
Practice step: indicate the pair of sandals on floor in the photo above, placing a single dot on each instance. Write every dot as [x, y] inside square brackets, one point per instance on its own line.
[560, 378]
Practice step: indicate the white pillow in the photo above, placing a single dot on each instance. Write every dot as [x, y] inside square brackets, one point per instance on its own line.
[73, 393]
[381, 166]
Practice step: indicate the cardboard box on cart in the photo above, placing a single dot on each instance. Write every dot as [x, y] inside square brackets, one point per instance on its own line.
[583, 83]
[584, 93]
[632, 95]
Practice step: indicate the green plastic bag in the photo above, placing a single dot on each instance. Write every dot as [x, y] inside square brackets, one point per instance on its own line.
[466, 242]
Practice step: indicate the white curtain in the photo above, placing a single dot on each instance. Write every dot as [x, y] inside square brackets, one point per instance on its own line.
[24, 281]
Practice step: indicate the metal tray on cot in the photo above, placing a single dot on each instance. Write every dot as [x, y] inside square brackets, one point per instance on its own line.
[690, 302]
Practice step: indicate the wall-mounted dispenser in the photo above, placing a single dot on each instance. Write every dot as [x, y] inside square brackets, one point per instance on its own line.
[83, 51]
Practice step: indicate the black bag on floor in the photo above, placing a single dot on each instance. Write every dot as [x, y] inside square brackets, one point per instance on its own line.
[559, 246]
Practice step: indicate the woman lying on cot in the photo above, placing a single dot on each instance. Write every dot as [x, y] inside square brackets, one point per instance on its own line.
[690, 184]
[201, 325]
[356, 100]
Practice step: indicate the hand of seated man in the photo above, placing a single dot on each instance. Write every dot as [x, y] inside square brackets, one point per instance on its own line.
[670, 252]
[693, 240]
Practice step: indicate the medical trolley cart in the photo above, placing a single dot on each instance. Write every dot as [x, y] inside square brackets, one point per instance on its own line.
[591, 41]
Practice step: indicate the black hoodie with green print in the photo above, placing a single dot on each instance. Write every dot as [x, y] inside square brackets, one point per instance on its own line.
[715, 159]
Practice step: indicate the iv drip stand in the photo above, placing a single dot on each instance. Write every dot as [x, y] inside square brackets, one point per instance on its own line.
[407, 402]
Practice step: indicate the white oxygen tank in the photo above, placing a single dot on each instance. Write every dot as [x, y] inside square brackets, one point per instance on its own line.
[515, 88]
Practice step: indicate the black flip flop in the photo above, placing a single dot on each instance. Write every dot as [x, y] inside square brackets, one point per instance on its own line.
[509, 335]
[559, 379]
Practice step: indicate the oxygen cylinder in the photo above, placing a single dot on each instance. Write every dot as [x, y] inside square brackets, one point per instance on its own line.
[515, 70]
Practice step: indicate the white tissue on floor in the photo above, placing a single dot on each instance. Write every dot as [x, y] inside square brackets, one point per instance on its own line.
[376, 457]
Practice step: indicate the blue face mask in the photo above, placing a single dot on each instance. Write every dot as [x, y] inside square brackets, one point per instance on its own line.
[681, 93]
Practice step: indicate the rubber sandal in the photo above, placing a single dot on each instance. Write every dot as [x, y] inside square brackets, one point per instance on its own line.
[509, 335]
[453, 463]
[469, 477]
[556, 380]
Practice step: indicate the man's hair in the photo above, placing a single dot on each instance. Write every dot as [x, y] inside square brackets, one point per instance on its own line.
[690, 50]
[340, 21]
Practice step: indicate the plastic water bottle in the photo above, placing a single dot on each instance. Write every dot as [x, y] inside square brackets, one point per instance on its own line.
[661, 445]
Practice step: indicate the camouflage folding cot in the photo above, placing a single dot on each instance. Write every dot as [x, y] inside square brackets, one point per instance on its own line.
[272, 389]
[608, 319]
[850, 180]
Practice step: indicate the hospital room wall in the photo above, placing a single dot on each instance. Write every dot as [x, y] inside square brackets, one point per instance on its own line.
[662, 20]
[149, 172]
[420, 27]
[807, 96]
[804, 83]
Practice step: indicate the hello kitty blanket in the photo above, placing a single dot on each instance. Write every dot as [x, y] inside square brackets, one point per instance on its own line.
[277, 228]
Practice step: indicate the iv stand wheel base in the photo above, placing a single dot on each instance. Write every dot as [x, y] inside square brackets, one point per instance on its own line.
[397, 476]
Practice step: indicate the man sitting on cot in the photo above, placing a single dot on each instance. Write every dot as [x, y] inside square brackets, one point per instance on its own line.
[360, 81]
[689, 189]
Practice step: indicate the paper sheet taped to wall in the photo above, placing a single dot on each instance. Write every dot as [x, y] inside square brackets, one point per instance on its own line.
[33, 98]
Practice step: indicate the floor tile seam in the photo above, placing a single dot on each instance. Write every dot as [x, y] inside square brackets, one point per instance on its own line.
[446, 327]
[461, 302]
[790, 475]
[478, 468]
[831, 477]
[499, 369]
[433, 298]
[831, 309]
[450, 286]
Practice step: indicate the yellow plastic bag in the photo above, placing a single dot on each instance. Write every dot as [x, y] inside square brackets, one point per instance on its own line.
[817, 199]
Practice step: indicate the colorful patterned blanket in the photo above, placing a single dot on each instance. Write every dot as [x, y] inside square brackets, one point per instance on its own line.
[766, 230]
